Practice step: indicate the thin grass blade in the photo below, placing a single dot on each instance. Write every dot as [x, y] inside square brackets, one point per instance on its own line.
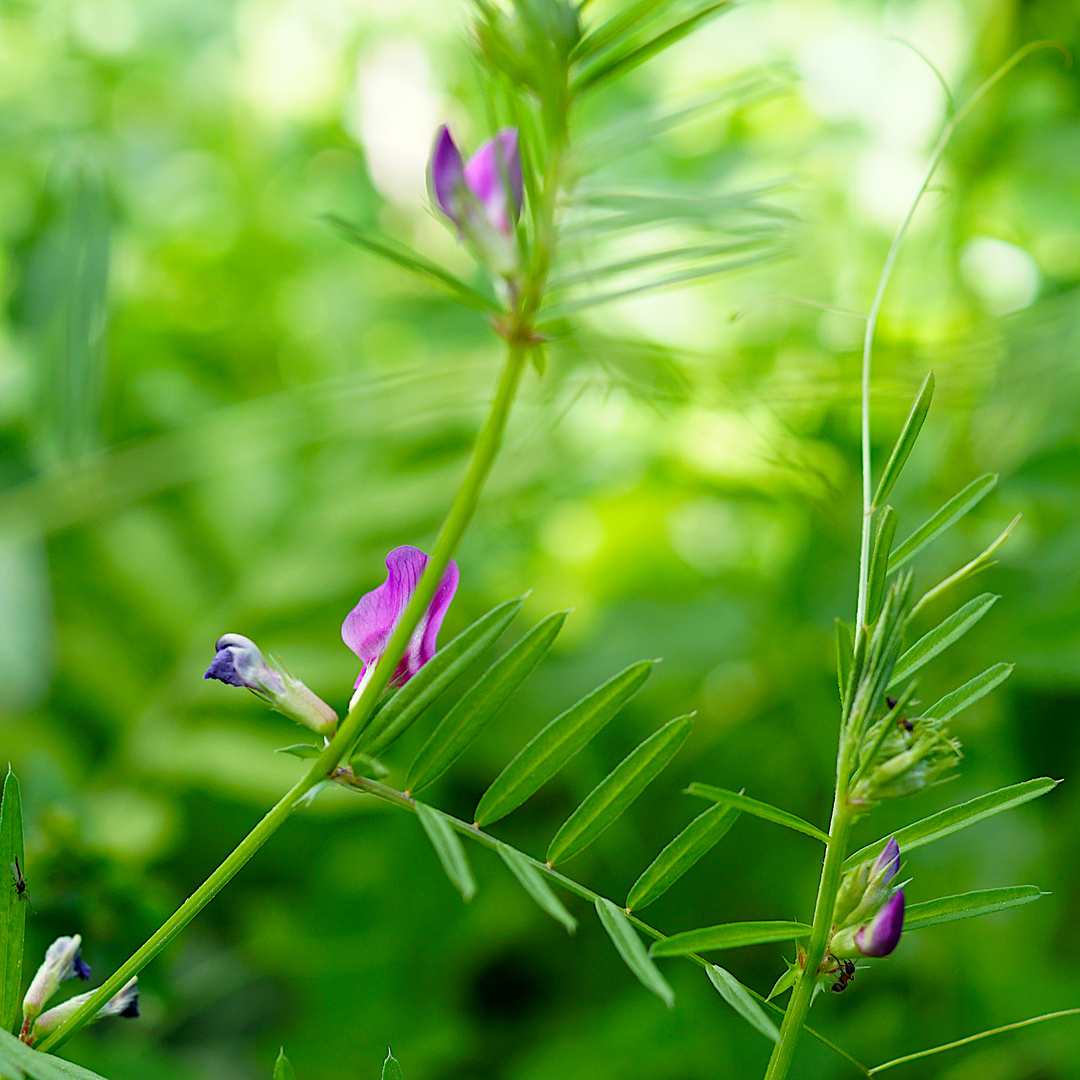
[969, 905]
[908, 435]
[944, 519]
[969, 693]
[608, 67]
[415, 264]
[283, 1069]
[941, 637]
[736, 995]
[614, 794]
[448, 847]
[757, 809]
[955, 818]
[405, 707]
[550, 749]
[532, 881]
[13, 902]
[624, 938]
[391, 1070]
[481, 703]
[879, 563]
[699, 837]
[728, 936]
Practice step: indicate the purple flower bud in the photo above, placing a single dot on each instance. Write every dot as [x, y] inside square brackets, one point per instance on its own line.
[494, 166]
[887, 863]
[370, 625]
[482, 197]
[882, 933]
[240, 662]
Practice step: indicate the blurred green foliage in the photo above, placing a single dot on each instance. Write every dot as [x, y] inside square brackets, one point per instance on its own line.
[216, 416]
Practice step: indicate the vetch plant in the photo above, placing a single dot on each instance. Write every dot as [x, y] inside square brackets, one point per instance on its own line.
[523, 203]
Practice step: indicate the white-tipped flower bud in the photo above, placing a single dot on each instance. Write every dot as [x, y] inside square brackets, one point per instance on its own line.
[125, 1002]
[239, 662]
[62, 962]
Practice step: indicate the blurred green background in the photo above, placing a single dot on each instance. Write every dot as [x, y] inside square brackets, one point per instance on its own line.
[216, 416]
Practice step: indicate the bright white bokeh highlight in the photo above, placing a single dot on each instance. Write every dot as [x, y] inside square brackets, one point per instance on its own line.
[1004, 276]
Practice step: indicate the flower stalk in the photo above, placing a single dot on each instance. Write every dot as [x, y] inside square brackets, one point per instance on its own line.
[521, 339]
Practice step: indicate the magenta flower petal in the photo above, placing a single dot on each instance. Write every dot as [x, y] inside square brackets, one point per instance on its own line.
[370, 625]
[496, 164]
[882, 933]
[447, 176]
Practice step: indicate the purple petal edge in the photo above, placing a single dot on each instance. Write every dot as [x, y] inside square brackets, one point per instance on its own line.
[447, 175]
[496, 162]
[888, 862]
[371, 623]
[881, 935]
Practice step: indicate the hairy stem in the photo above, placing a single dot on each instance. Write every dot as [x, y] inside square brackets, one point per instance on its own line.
[803, 993]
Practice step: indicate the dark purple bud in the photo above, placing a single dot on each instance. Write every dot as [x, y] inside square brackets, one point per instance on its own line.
[887, 863]
[80, 967]
[882, 933]
[447, 177]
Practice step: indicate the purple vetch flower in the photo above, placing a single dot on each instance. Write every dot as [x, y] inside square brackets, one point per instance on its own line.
[880, 935]
[238, 661]
[483, 196]
[63, 961]
[125, 1002]
[370, 625]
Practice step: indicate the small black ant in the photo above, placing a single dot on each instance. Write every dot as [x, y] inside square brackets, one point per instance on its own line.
[847, 973]
[902, 722]
[20, 881]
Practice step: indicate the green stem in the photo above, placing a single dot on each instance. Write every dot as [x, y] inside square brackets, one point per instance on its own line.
[803, 993]
[457, 520]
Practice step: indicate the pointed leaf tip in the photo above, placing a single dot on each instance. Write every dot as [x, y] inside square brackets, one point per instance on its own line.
[626, 941]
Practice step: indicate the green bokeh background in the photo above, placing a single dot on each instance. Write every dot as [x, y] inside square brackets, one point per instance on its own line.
[216, 416]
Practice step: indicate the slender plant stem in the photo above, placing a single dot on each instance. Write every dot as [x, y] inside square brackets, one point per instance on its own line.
[947, 132]
[974, 1038]
[803, 993]
[457, 520]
